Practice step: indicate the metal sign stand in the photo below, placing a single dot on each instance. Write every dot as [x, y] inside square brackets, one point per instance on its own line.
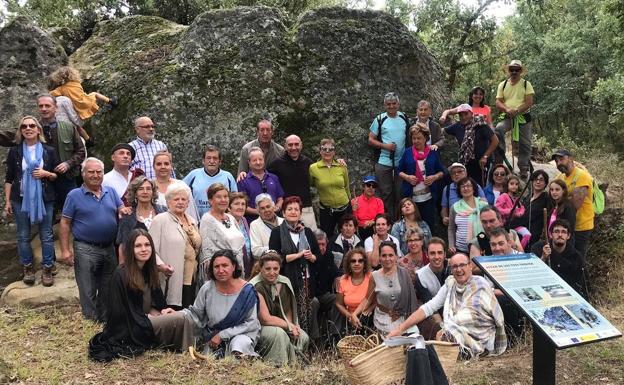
[544, 358]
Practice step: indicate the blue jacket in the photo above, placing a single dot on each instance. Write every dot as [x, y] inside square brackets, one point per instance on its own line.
[489, 193]
[14, 171]
[433, 165]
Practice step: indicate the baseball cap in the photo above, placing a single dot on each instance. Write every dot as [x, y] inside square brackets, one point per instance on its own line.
[560, 152]
[456, 164]
[369, 179]
[464, 107]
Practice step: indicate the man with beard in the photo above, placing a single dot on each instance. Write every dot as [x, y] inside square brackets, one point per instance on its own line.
[491, 219]
[580, 192]
[561, 256]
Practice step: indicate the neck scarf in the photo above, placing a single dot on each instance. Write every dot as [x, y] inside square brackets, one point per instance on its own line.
[296, 270]
[466, 150]
[420, 155]
[463, 209]
[32, 203]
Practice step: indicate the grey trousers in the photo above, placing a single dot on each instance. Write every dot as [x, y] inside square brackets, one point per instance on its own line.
[93, 267]
[524, 151]
[385, 180]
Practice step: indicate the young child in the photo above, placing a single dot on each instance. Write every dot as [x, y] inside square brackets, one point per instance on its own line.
[66, 81]
[505, 203]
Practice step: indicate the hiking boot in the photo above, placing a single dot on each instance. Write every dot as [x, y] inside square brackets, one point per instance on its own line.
[29, 275]
[47, 278]
[54, 270]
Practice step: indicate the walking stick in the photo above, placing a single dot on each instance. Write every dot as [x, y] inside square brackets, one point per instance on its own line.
[545, 231]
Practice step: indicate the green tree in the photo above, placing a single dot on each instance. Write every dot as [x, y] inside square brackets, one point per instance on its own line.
[460, 36]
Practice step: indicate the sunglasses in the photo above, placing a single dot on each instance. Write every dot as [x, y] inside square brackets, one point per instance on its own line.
[515, 70]
[226, 223]
[354, 261]
[500, 174]
[263, 186]
[373, 185]
[327, 149]
[31, 125]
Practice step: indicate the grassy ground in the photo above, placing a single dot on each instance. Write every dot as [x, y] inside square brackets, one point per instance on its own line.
[49, 346]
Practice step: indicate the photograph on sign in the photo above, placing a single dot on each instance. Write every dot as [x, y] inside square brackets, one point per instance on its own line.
[551, 304]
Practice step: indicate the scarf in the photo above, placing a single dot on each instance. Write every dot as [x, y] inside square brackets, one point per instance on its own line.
[246, 300]
[32, 202]
[270, 293]
[466, 150]
[420, 155]
[297, 269]
[473, 317]
[407, 303]
[462, 208]
[270, 225]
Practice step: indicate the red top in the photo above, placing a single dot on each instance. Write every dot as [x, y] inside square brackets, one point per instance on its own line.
[366, 209]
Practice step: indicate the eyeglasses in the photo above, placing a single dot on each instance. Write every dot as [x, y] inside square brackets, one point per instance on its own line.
[327, 149]
[458, 266]
[514, 69]
[226, 223]
[414, 240]
[354, 261]
[465, 186]
[30, 125]
[373, 185]
[499, 174]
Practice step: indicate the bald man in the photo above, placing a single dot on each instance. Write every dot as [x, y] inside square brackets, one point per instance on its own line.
[292, 169]
[146, 146]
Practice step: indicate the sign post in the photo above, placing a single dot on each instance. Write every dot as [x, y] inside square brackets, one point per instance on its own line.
[561, 317]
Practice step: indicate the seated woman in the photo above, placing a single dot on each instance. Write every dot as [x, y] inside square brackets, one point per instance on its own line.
[353, 286]
[392, 291]
[137, 317]
[409, 219]
[225, 309]
[281, 338]
[416, 256]
[347, 238]
[472, 316]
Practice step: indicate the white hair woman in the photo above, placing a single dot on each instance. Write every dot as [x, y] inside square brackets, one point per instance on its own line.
[177, 242]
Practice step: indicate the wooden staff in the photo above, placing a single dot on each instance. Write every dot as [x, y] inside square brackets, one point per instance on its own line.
[545, 231]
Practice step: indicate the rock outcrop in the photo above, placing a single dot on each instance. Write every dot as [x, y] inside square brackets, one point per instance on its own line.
[324, 74]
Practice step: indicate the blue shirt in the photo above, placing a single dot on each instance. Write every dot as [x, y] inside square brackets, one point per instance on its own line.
[199, 181]
[453, 197]
[392, 131]
[93, 219]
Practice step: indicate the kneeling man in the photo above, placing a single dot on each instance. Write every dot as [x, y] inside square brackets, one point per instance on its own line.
[472, 315]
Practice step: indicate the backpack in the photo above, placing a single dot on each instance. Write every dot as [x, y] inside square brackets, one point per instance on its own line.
[380, 121]
[598, 198]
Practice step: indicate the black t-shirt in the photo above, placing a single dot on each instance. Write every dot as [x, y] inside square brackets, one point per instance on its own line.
[483, 136]
[294, 176]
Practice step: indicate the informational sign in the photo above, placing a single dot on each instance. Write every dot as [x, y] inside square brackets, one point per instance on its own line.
[551, 304]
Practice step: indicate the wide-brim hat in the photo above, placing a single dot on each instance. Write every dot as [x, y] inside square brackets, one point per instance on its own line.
[516, 63]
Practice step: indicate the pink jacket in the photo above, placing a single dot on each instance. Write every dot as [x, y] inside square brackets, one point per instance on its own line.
[504, 203]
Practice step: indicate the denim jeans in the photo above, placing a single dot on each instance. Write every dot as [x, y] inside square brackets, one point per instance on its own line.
[93, 267]
[45, 235]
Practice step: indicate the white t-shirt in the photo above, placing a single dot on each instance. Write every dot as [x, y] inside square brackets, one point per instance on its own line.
[368, 244]
[117, 182]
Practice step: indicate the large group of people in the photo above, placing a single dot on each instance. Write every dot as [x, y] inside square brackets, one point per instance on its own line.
[243, 265]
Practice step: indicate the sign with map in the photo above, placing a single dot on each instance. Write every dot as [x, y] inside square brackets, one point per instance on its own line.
[550, 303]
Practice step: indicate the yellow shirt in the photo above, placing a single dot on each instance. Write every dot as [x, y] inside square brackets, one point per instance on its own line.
[332, 183]
[84, 104]
[513, 95]
[585, 213]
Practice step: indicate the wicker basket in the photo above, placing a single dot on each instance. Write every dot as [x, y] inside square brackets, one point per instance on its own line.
[447, 352]
[350, 346]
[381, 365]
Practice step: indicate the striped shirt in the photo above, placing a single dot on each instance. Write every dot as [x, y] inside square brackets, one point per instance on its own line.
[144, 158]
